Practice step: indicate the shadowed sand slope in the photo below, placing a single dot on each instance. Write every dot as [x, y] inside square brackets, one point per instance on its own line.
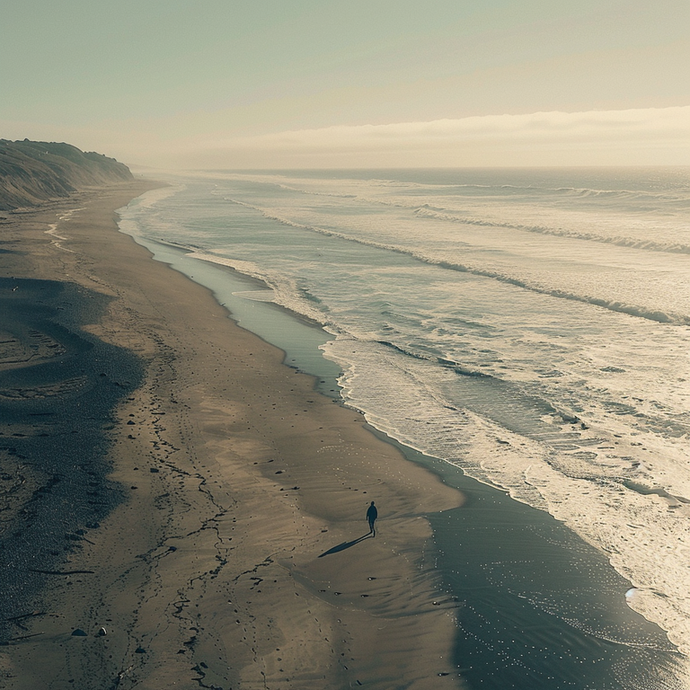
[230, 477]
[58, 390]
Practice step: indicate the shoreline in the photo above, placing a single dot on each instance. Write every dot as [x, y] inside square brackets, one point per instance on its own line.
[238, 476]
[470, 548]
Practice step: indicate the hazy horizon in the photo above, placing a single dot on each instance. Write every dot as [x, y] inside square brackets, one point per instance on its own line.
[504, 83]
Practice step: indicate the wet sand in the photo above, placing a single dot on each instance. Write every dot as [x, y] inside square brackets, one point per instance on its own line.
[172, 482]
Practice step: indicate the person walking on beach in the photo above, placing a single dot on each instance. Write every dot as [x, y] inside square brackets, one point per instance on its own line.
[372, 514]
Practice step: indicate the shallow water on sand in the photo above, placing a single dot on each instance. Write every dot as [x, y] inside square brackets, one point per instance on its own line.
[528, 328]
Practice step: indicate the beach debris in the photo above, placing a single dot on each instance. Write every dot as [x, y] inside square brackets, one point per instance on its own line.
[122, 674]
[78, 632]
[102, 632]
[26, 615]
[21, 637]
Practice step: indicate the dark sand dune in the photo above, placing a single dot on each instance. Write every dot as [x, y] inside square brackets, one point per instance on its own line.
[58, 390]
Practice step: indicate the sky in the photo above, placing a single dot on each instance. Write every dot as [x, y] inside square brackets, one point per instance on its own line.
[382, 83]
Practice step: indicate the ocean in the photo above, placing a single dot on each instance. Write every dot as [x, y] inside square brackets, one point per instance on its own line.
[524, 333]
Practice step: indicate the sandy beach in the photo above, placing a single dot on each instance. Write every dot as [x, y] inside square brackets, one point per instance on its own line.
[211, 486]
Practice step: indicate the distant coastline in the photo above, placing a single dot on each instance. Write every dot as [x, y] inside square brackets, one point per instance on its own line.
[33, 172]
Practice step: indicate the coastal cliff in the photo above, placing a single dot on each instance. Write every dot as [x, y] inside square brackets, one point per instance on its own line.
[32, 172]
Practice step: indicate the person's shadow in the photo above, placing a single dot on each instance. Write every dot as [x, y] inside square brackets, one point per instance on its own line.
[347, 544]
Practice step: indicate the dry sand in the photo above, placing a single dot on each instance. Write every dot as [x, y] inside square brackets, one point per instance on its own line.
[237, 476]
